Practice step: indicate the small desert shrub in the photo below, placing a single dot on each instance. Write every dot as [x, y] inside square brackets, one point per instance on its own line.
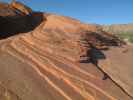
[127, 35]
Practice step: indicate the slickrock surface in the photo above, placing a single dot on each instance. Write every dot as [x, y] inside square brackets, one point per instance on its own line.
[42, 65]
[119, 65]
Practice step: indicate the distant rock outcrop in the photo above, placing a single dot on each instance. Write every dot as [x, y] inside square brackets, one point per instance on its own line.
[118, 28]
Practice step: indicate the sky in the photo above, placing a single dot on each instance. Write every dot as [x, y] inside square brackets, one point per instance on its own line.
[89, 11]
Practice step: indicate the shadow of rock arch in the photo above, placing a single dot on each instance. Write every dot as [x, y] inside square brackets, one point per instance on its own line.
[12, 25]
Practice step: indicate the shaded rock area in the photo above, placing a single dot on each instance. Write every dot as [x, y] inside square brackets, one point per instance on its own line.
[12, 22]
[24, 24]
[51, 57]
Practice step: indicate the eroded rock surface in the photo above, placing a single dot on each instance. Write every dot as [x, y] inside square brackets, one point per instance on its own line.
[42, 65]
[119, 65]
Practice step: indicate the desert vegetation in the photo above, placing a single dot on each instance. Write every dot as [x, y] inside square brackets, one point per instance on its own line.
[126, 36]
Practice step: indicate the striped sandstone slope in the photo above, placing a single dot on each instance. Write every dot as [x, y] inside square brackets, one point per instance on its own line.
[42, 64]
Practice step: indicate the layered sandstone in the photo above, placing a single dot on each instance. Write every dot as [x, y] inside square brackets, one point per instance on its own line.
[44, 62]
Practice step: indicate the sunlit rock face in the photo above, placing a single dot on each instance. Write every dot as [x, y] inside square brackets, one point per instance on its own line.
[5, 10]
[118, 65]
[44, 63]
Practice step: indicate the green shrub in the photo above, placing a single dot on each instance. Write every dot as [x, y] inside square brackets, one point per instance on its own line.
[127, 35]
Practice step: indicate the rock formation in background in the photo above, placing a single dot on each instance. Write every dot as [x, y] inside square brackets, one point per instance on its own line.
[118, 28]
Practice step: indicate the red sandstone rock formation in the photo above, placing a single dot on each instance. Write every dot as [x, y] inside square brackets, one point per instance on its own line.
[43, 62]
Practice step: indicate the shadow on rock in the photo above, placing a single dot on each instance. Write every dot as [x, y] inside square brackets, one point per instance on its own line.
[93, 55]
[13, 25]
[93, 44]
